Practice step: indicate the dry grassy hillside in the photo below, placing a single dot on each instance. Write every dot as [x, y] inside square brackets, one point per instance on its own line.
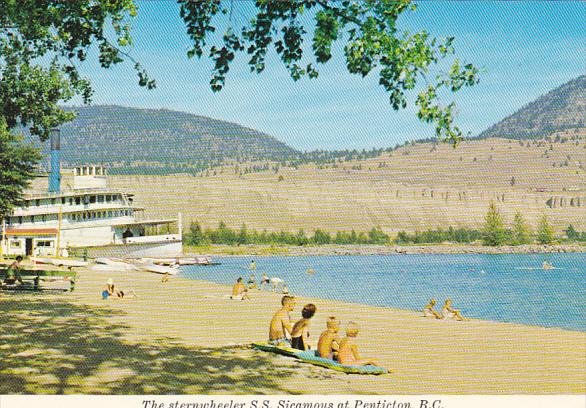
[415, 187]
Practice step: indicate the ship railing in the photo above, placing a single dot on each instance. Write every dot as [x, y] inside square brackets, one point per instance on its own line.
[151, 239]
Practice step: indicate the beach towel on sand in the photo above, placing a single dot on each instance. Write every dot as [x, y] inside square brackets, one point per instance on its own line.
[311, 358]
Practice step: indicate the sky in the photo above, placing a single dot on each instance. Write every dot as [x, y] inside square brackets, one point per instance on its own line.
[524, 49]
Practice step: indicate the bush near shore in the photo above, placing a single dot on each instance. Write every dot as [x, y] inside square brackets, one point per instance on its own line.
[223, 235]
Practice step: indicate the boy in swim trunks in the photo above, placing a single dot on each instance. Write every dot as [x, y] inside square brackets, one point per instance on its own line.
[281, 322]
[329, 341]
[348, 354]
[300, 332]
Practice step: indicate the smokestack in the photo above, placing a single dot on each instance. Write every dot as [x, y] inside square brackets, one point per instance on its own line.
[55, 175]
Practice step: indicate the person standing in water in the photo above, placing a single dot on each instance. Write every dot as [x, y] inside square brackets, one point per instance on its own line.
[264, 281]
[252, 265]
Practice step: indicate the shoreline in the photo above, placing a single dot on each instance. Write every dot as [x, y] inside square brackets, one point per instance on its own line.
[185, 336]
[417, 313]
[330, 249]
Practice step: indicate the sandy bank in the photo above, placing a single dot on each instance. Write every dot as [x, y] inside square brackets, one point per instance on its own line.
[164, 342]
[260, 250]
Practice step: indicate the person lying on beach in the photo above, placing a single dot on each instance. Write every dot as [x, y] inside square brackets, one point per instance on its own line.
[280, 326]
[13, 272]
[110, 291]
[348, 354]
[300, 331]
[451, 314]
[329, 341]
[239, 292]
[429, 312]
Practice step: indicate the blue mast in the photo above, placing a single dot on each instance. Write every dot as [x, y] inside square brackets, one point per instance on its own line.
[55, 175]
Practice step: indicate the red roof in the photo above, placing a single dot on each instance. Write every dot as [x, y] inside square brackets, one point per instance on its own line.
[32, 231]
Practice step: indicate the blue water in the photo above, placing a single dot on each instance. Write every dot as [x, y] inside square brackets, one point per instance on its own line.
[505, 288]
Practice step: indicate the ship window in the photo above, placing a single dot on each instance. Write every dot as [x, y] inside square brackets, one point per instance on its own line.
[70, 201]
[20, 219]
[37, 202]
[77, 200]
[15, 244]
[62, 200]
[92, 199]
[33, 219]
[84, 216]
[44, 243]
[100, 199]
[109, 213]
[43, 218]
[108, 198]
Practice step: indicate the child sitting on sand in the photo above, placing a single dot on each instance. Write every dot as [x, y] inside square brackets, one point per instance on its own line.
[348, 354]
[329, 341]
[300, 332]
[449, 313]
[429, 312]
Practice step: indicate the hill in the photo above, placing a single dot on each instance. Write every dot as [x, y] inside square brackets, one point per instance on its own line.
[415, 187]
[128, 139]
[562, 110]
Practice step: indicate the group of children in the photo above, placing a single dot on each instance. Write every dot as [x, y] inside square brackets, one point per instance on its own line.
[447, 313]
[330, 345]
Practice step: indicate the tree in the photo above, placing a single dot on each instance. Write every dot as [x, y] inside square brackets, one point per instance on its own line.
[521, 231]
[17, 164]
[544, 231]
[494, 233]
[63, 32]
[243, 235]
[571, 233]
[196, 236]
[41, 43]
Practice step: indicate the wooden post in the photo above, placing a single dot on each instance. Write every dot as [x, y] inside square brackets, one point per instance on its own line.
[60, 216]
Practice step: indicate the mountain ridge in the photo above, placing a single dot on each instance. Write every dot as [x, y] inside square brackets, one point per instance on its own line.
[560, 110]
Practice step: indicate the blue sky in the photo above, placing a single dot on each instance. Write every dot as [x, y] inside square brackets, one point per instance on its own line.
[524, 48]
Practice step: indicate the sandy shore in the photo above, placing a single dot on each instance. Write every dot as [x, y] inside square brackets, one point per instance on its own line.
[269, 250]
[180, 337]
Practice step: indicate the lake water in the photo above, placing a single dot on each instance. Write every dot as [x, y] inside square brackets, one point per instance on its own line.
[505, 288]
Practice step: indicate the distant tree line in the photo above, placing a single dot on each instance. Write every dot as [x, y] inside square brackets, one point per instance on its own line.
[224, 235]
[493, 233]
[439, 235]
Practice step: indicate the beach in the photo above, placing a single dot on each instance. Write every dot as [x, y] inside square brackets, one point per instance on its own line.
[185, 336]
